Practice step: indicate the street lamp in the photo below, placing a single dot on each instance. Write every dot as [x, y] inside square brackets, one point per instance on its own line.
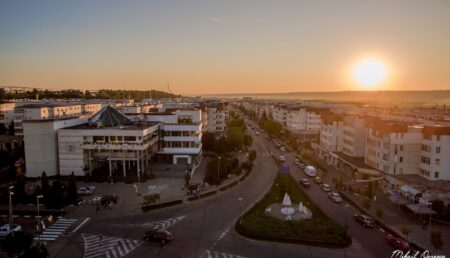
[218, 170]
[38, 217]
[11, 193]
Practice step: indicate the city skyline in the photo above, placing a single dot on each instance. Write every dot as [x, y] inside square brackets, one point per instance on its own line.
[221, 47]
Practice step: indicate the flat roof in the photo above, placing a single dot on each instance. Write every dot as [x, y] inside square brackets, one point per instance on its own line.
[41, 105]
[134, 126]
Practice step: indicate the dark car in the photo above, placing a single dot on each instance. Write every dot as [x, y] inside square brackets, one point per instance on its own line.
[304, 182]
[364, 220]
[160, 236]
[397, 243]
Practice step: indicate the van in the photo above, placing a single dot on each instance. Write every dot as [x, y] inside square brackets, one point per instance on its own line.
[310, 171]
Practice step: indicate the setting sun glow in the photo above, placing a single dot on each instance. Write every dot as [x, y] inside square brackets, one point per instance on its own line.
[369, 73]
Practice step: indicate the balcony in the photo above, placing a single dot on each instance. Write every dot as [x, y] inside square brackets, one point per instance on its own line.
[182, 138]
[193, 150]
[118, 146]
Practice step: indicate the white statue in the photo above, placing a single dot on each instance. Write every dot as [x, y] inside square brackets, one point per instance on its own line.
[287, 200]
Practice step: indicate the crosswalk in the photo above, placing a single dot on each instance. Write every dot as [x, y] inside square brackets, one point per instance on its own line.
[55, 230]
[99, 246]
[162, 224]
[214, 254]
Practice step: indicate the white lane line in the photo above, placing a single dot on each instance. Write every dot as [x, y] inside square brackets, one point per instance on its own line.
[79, 226]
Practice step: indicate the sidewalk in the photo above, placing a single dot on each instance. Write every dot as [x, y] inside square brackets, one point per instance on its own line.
[395, 217]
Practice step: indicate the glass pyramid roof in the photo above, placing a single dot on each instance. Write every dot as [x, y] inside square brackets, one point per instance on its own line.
[109, 117]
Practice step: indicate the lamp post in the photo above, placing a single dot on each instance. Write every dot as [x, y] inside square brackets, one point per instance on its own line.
[11, 193]
[38, 217]
[218, 170]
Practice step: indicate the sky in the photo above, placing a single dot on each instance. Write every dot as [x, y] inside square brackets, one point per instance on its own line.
[209, 47]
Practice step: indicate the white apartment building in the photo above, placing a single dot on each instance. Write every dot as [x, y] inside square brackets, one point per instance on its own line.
[180, 133]
[331, 132]
[41, 145]
[217, 117]
[280, 114]
[109, 144]
[6, 107]
[393, 147]
[45, 111]
[354, 136]
[435, 153]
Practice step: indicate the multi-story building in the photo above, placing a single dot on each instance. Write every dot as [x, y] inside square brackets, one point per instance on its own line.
[41, 145]
[107, 144]
[354, 136]
[331, 132]
[217, 116]
[435, 153]
[393, 147]
[5, 107]
[280, 114]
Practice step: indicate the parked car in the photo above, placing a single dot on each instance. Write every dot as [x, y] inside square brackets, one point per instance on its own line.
[97, 199]
[335, 197]
[297, 161]
[317, 180]
[161, 236]
[397, 243]
[283, 149]
[282, 158]
[302, 165]
[364, 220]
[90, 188]
[304, 182]
[310, 171]
[325, 187]
[84, 191]
[8, 228]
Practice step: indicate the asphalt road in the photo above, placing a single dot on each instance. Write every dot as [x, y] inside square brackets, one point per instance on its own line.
[204, 228]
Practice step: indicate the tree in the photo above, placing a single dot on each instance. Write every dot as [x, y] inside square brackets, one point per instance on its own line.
[3, 129]
[45, 186]
[72, 195]
[405, 231]
[235, 138]
[15, 244]
[436, 239]
[248, 140]
[11, 128]
[209, 142]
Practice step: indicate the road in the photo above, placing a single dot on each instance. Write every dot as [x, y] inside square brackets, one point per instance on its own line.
[204, 228]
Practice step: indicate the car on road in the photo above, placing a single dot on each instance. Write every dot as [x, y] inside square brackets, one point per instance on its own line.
[8, 228]
[310, 171]
[161, 236]
[84, 191]
[97, 199]
[397, 243]
[257, 133]
[90, 188]
[297, 161]
[364, 220]
[282, 149]
[335, 197]
[325, 187]
[282, 158]
[317, 180]
[304, 182]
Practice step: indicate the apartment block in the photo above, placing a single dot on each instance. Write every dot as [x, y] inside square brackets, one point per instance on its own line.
[435, 153]
[393, 147]
[353, 136]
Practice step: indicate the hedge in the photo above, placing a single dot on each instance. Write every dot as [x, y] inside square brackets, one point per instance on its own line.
[161, 205]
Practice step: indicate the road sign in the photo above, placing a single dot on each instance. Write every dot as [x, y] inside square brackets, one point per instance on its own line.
[284, 170]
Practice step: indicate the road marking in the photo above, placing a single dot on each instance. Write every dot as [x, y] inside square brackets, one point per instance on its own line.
[55, 230]
[214, 254]
[79, 226]
[103, 246]
[162, 224]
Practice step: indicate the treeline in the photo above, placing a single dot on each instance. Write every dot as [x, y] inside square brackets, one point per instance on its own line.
[101, 94]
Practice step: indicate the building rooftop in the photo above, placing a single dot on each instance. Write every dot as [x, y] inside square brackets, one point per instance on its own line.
[41, 105]
[109, 117]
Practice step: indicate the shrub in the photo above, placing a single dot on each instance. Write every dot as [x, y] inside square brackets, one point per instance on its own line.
[151, 198]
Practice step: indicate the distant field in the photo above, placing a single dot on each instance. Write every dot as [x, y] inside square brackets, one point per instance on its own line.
[392, 97]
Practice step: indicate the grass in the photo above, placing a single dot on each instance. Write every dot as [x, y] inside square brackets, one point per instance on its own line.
[319, 230]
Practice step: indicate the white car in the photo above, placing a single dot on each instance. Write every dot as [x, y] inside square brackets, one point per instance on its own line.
[84, 191]
[97, 199]
[8, 228]
[283, 149]
[297, 161]
[335, 197]
[282, 158]
[90, 188]
[325, 187]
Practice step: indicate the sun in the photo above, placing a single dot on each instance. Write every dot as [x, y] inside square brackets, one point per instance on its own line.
[369, 73]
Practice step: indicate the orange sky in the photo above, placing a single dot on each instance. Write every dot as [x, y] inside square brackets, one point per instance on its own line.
[223, 46]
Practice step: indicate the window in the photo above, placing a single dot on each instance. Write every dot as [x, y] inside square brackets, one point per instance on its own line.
[437, 162]
[438, 149]
[401, 159]
[130, 138]
[436, 174]
[425, 160]
[401, 147]
[70, 148]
